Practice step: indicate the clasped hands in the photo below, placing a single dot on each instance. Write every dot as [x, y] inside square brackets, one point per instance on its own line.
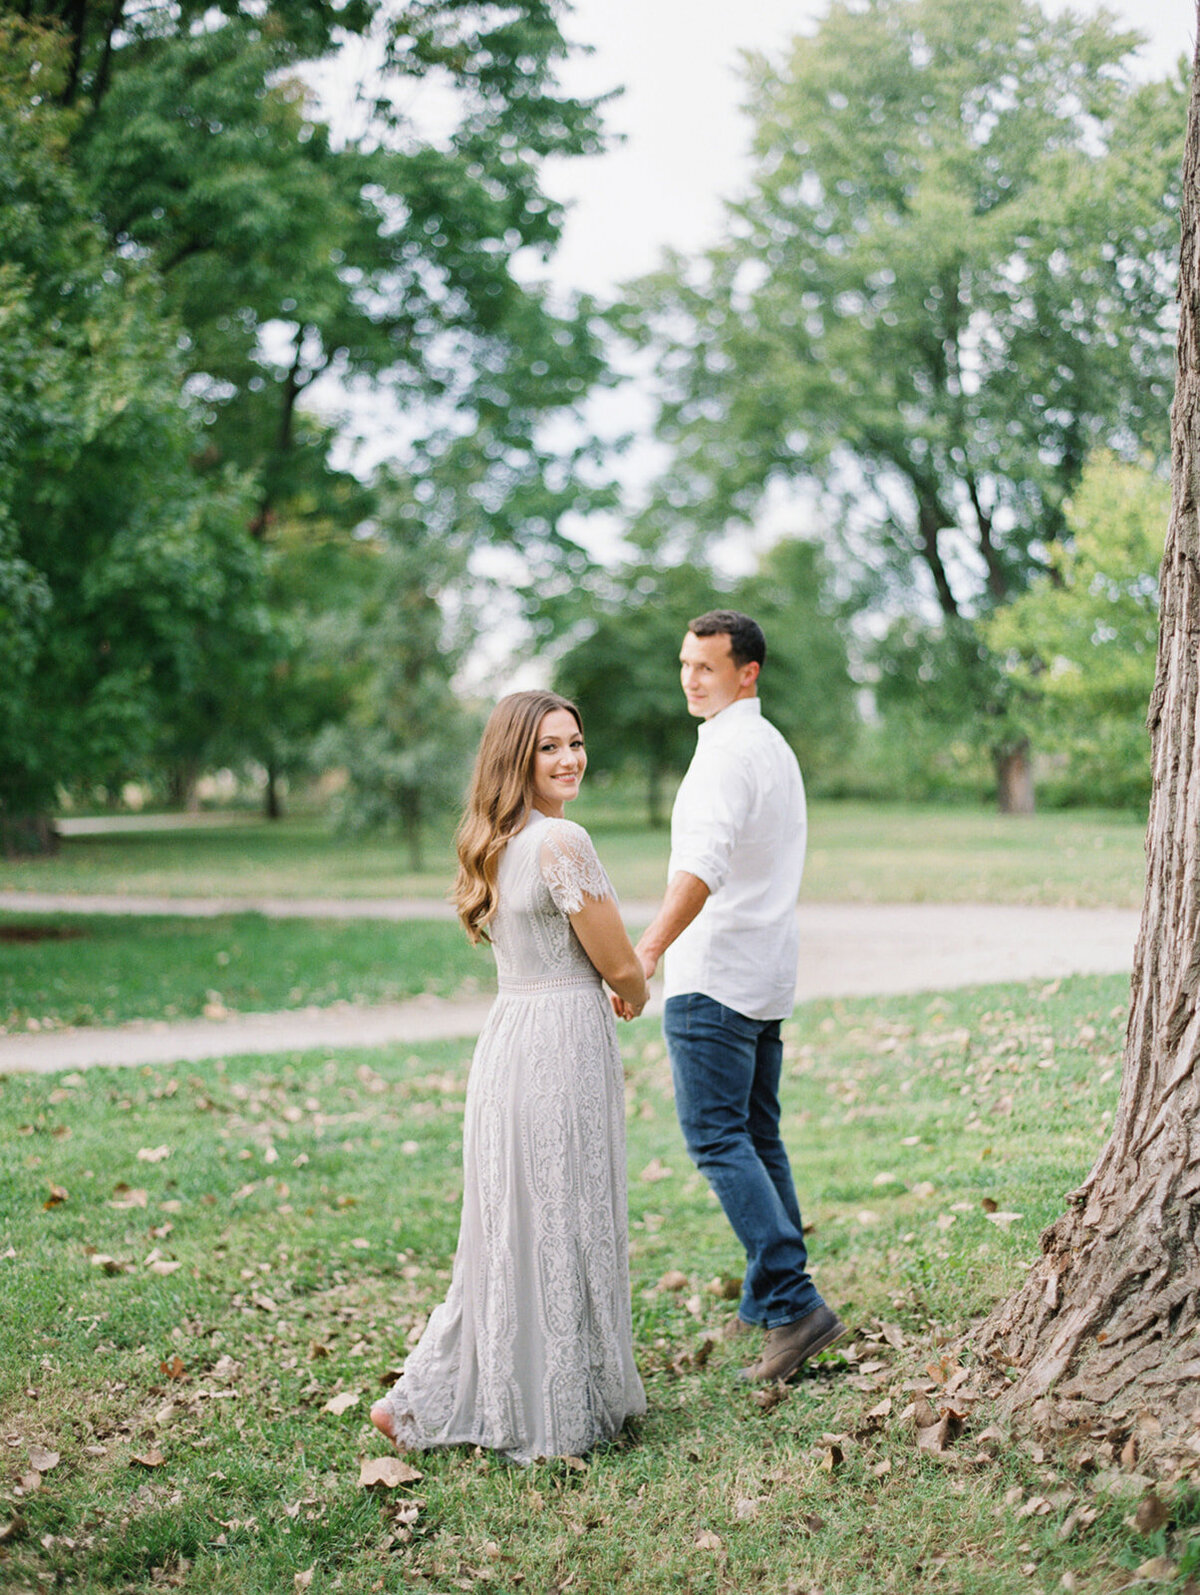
[621, 1006]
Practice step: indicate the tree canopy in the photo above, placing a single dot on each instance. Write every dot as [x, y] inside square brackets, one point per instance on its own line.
[949, 282]
[218, 247]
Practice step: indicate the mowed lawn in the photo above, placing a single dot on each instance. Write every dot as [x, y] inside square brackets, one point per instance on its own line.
[857, 853]
[76, 969]
[83, 969]
[207, 1273]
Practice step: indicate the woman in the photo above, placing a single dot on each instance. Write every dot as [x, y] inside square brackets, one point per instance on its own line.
[531, 1353]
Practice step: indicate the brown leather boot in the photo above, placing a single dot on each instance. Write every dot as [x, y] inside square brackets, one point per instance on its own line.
[788, 1346]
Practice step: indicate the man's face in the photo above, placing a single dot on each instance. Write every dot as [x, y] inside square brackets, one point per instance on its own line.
[711, 680]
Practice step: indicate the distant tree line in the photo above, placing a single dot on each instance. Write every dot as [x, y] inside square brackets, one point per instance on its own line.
[189, 575]
[947, 290]
[934, 341]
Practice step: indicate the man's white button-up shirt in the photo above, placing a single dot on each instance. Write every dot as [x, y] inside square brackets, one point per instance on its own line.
[739, 824]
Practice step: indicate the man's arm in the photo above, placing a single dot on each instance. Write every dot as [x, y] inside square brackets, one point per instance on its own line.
[686, 895]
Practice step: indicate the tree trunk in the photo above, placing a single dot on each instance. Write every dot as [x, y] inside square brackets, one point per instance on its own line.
[654, 808]
[273, 797]
[104, 72]
[1110, 1315]
[181, 786]
[413, 818]
[28, 836]
[1014, 778]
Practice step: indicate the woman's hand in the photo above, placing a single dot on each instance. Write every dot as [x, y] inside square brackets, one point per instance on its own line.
[623, 1008]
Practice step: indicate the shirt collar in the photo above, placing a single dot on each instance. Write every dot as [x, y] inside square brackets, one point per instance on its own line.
[730, 717]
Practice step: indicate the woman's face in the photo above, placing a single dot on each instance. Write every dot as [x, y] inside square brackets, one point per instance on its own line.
[559, 761]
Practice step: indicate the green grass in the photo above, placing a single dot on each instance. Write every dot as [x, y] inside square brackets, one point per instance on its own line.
[97, 969]
[857, 852]
[866, 853]
[310, 1202]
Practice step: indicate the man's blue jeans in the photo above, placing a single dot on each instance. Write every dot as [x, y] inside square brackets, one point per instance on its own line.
[726, 1070]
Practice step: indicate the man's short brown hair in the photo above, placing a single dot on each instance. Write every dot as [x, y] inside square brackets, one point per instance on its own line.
[746, 641]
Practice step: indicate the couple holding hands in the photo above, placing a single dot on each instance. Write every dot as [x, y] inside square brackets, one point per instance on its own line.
[531, 1353]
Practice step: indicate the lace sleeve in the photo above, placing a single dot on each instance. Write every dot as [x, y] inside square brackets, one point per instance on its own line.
[570, 868]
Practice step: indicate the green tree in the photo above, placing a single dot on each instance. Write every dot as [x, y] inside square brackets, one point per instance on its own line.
[1080, 641]
[389, 258]
[117, 561]
[405, 742]
[950, 281]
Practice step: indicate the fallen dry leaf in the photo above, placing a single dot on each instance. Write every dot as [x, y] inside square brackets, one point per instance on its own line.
[768, 1396]
[387, 1472]
[673, 1280]
[174, 1369]
[1158, 1570]
[727, 1289]
[160, 1265]
[989, 1204]
[924, 1415]
[706, 1540]
[936, 1438]
[57, 1197]
[110, 1265]
[127, 1196]
[1003, 1218]
[43, 1460]
[1151, 1514]
[12, 1530]
[148, 1459]
[153, 1154]
[341, 1403]
[303, 1580]
[656, 1170]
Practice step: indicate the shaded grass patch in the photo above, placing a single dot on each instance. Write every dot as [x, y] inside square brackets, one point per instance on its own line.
[101, 969]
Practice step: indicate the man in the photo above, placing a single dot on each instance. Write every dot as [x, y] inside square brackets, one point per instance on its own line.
[729, 919]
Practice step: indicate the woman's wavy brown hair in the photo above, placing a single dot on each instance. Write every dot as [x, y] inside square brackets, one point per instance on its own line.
[498, 801]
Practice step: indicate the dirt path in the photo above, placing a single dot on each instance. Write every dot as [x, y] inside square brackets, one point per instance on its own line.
[847, 950]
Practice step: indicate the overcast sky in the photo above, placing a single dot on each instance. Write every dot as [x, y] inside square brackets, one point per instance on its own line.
[686, 139]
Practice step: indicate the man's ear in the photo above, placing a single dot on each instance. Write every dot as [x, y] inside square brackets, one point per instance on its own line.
[750, 672]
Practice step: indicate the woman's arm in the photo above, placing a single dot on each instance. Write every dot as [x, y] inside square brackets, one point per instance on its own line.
[604, 939]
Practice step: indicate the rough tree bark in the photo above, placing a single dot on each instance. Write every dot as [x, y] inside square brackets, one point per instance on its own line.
[1109, 1316]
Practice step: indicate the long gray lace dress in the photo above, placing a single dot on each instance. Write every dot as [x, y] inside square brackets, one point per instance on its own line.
[531, 1353]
